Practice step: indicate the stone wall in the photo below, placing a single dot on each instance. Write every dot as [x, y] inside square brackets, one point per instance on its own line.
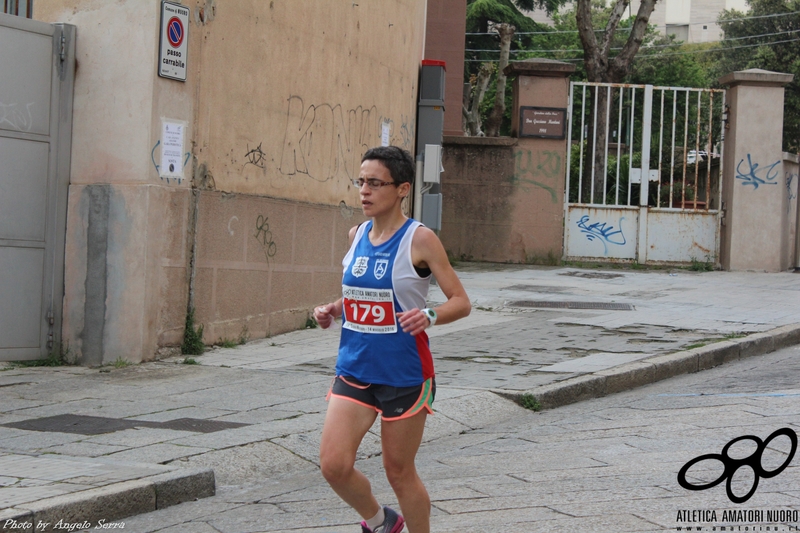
[503, 200]
[789, 220]
[280, 103]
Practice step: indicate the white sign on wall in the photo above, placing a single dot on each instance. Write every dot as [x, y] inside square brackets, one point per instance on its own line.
[385, 134]
[174, 41]
[172, 150]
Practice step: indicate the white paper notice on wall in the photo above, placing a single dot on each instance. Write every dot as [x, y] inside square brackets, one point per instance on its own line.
[172, 150]
[385, 134]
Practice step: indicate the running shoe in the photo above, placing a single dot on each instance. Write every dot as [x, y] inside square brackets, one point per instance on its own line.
[393, 523]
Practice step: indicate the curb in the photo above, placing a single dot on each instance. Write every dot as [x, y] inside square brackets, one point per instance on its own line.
[105, 505]
[646, 371]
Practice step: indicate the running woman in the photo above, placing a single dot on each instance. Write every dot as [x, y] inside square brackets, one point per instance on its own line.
[384, 364]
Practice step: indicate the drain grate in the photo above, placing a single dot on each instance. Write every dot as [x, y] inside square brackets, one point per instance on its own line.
[534, 288]
[571, 305]
[590, 275]
[97, 425]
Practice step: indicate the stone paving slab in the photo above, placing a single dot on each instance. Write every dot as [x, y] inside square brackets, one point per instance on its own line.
[680, 323]
[44, 490]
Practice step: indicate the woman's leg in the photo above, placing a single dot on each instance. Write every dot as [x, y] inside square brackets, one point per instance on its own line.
[400, 440]
[346, 423]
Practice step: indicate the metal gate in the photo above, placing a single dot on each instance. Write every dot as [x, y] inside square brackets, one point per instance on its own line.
[37, 65]
[644, 169]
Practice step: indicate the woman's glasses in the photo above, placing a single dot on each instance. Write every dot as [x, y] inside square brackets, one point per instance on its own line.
[372, 183]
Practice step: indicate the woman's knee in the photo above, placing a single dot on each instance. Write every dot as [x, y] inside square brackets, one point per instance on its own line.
[335, 468]
[399, 472]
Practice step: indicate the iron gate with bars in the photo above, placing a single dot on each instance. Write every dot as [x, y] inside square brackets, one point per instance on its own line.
[644, 167]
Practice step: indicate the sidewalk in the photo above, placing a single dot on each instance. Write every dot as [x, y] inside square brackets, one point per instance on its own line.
[254, 412]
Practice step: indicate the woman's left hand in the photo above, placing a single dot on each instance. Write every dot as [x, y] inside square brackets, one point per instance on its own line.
[413, 322]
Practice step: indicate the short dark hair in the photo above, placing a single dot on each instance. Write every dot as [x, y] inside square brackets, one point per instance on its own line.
[398, 161]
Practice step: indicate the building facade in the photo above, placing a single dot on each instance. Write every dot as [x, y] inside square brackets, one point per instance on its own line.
[249, 224]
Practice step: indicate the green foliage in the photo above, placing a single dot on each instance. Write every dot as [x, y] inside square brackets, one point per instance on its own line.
[529, 401]
[760, 43]
[192, 339]
[311, 323]
[661, 61]
[121, 363]
[58, 356]
[225, 342]
[481, 16]
[551, 259]
[616, 191]
[671, 65]
[452, 259]
[701, 266]
[244, 335]
[190, 361]
[488, 103]
[482, 13]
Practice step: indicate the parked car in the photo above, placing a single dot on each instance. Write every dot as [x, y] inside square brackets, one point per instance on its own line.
[692, 156]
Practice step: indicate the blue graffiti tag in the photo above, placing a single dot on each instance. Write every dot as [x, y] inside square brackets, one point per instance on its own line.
[792, 194]
[789, 179]
[751, 176]
[602, 231]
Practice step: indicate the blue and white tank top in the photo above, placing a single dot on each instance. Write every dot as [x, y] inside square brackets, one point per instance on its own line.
[379, 282]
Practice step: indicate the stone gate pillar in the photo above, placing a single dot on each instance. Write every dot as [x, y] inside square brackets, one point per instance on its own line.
[753, 185]
[539, 120]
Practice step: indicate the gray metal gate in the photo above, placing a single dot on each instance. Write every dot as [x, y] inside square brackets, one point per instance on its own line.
[643, 173]
[36, 83]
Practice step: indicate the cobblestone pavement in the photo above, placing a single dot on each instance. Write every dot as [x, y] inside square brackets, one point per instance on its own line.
[253, 413]
[604, 465]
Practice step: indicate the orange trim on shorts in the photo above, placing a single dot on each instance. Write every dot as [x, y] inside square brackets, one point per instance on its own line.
[362, 387]
[423, 402]
[371, 407]
[330, 393]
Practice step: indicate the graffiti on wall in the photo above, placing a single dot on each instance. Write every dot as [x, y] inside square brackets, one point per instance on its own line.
[406, 133]
[16, 117]
[405, 138]
[791, 188]
[255, 157]
[264, 237]
[602, 231]
[534, 168]
[326, 141]
[749, 174]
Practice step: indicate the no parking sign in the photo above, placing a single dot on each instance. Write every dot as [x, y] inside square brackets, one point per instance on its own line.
[174, 41]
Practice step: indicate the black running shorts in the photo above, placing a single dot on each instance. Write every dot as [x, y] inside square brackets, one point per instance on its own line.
[393, 403]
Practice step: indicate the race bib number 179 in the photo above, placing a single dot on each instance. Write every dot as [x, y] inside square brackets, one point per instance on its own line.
[369, 310]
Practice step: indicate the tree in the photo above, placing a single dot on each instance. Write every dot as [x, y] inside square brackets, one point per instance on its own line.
[671, 64]
[601, 66]
[768, 42]
[506, 32]
[472, 115]
[504, 18]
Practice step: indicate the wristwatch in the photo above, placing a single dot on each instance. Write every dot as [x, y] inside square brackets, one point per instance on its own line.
[430, 314]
